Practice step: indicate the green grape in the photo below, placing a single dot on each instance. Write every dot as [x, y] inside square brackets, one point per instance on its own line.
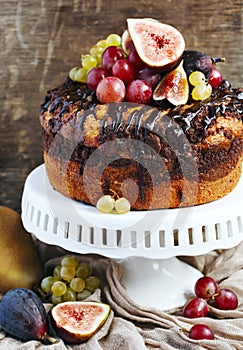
[101, 43]
[56, 271]
[56, 299]
[67, 272]
[83, 295]
[84, 270]
[59, 288]
[70, 295]
[105, 204]
[96, 50]
[113, 40]
[97, 53]
[122, 205]
[72, 73]
[88, 62]
[197, 78]
[77, 284]
[47, 283]
[80, 75]
[69, 260]
[92, 283]
[201, 92]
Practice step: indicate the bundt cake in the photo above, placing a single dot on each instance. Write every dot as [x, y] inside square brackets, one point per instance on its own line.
[153, 151]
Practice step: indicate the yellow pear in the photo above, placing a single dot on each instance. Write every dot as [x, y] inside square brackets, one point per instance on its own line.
[20, 265]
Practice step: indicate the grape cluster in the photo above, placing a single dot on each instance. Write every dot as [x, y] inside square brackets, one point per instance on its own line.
[94, 58]
[107, 204]
[207, 292]
[114, 74]
[202, 88]
[71, 280]
[118, 78]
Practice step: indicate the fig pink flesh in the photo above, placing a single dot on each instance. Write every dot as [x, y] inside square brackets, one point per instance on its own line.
[157, 44]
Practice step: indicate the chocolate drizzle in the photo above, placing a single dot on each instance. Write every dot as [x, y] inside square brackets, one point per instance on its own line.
[163, 130]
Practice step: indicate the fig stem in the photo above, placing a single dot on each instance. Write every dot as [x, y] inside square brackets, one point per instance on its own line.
[217, 59]
[48, 338]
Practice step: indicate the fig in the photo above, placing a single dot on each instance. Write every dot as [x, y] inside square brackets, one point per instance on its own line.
[23, 316]
[77, 321]
[199, 61]
[126, 42]
[173, 86]
[158, 44]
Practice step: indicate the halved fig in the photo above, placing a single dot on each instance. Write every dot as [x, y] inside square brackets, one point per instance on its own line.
[158, 44]
[77, 321]
[127, 43]
[173, 86]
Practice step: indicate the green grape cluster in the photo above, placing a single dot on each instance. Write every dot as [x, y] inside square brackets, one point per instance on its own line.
[71, 280]
[201, 88]
[94, 58]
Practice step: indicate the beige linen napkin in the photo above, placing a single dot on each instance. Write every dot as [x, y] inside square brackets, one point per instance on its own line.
[132, 327]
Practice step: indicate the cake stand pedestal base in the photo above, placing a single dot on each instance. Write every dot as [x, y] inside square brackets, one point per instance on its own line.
[161, 283]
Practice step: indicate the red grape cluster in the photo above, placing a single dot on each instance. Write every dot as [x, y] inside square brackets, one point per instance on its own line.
[122, 78]
[207, 291]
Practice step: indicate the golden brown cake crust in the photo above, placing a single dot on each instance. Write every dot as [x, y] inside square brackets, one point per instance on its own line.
[156, 157]
[177, 193]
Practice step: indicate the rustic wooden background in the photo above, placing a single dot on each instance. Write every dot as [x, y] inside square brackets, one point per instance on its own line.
[41, 40]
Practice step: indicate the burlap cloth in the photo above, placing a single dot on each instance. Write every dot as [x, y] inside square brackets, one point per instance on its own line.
[131, 327]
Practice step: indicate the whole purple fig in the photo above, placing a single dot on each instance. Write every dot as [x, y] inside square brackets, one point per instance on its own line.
[23, 315]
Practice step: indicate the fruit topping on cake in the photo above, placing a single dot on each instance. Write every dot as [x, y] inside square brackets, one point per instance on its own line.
[147, 64]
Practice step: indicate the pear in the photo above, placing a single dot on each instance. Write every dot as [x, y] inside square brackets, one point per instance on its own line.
[20, 265]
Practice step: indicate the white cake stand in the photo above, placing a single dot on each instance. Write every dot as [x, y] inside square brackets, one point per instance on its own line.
[146, 243]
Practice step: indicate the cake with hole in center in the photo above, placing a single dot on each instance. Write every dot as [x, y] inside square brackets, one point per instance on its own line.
[144, 119]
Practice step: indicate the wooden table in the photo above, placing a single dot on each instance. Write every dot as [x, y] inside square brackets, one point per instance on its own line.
[41, 40]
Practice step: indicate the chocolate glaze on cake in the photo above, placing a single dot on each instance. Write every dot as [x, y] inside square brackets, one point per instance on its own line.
[199, 144]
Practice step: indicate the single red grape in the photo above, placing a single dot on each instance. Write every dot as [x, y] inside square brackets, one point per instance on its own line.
[95, 75]
[215, 78]
[151, 77]
[136, 60]
[110, 89]
[206, 287]
[110, 55]
[195, 307]
[138, 91]
[201, 331]
[124, 70]
[226, 299]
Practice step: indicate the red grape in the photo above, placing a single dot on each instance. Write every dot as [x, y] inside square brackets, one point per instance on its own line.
[124, 70]
[136, 60]
[110, 55]
[215, 78]
[95, 75]
[201, 331]
[148, 75]
[195, 307]
[110, 89]
[206, 287]
[226, 299]
[138, 91]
